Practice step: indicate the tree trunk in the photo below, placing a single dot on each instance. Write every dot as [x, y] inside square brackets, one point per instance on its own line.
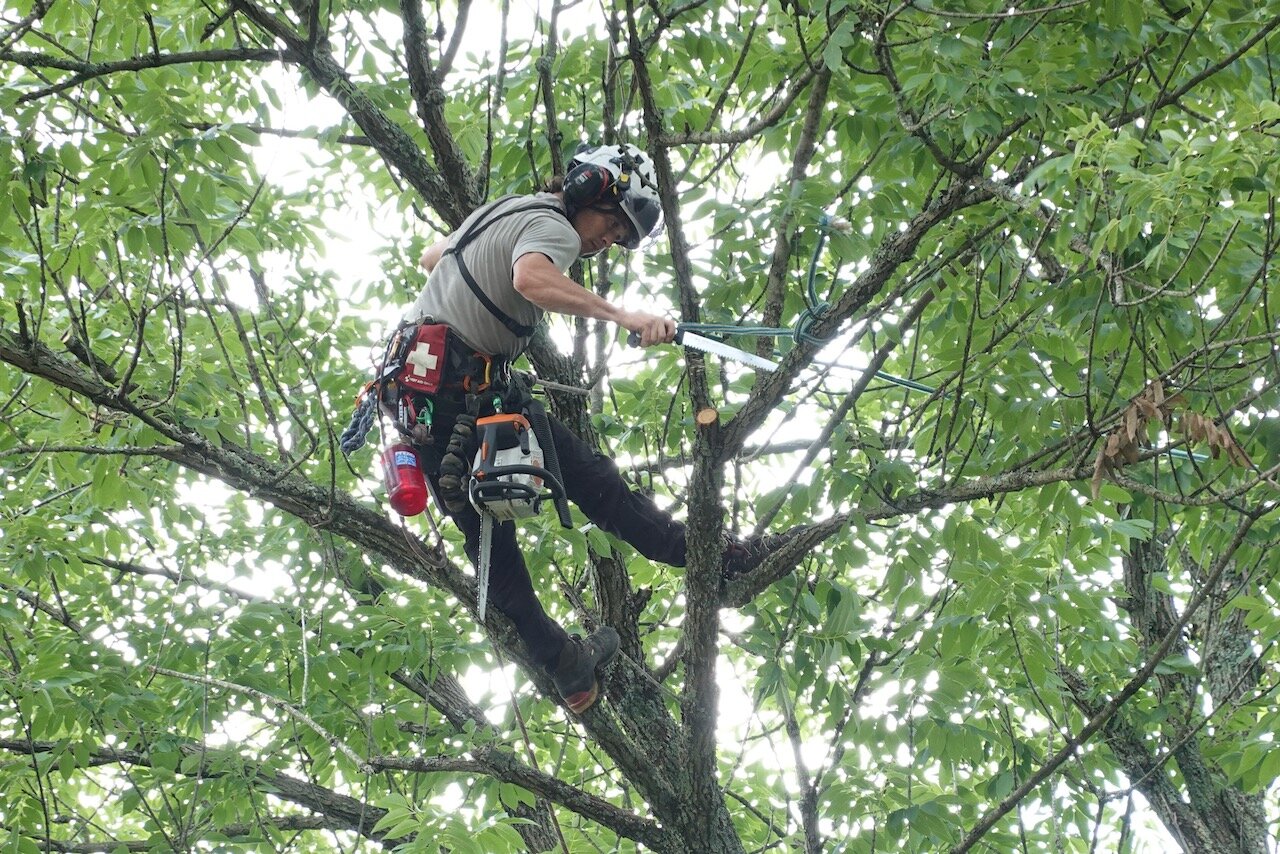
[1205, 812]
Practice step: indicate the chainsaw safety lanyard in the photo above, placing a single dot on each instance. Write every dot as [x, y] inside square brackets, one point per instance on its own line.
[520, 330]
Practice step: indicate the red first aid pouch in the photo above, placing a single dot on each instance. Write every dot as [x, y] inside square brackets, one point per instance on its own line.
[425, 357]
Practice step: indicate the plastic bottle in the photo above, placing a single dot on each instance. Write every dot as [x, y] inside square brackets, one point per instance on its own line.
[406, 487]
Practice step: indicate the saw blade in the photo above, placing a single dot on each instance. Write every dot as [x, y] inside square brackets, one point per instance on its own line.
[719, 348]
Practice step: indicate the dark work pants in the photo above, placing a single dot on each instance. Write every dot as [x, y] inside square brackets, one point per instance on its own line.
[592, 482]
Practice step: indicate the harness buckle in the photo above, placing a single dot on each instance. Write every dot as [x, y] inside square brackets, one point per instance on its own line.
[480, 377]
[490, 372]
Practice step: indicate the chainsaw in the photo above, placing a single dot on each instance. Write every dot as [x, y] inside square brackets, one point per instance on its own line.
[510, 478]
[514, 473]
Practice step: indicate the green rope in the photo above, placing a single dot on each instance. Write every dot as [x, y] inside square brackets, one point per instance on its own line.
[815, 309]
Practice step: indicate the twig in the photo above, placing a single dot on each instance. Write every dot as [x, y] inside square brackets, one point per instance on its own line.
[1098, 721]
[290, 709]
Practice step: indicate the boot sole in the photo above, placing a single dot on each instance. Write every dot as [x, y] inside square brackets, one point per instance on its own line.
[583, 700]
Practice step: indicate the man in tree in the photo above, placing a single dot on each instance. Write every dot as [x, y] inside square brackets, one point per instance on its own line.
[490, 282]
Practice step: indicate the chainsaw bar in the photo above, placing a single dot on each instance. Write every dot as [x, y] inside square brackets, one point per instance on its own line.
[486, 557]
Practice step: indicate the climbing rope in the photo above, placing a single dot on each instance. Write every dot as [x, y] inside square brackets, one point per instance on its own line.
[816, 310]
[353, 438]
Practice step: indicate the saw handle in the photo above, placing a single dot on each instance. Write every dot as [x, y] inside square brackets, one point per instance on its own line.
[633, 338]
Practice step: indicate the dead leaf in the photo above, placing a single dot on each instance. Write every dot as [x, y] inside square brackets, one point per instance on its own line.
[1095, 485]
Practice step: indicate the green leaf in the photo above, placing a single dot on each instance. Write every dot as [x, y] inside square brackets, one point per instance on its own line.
[1177, 664]
[1134, 529]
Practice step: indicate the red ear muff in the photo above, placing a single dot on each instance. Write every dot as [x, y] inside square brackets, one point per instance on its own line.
[587, 184]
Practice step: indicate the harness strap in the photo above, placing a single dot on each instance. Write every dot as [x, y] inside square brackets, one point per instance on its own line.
[477, 228]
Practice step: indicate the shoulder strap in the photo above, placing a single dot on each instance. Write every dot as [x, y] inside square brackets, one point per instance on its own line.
[520, 330]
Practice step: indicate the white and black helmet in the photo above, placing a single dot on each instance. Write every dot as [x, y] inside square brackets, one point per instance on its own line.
[616, 175]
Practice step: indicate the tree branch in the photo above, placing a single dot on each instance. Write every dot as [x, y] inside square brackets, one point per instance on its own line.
[244, 831]
[428, 93]
[288, 708]
[397, 148]
[85, 71]
[348, 812]
[503, 765]
[1099, 720]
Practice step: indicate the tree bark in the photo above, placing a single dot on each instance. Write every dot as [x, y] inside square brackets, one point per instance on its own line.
[1207, 813]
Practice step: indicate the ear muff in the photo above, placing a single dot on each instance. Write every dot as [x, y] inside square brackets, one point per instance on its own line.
[588, 183]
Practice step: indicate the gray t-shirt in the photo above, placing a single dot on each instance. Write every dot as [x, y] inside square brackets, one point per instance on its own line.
[491, 257]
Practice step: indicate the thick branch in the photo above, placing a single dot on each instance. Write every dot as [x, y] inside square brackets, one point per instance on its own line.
[85, 71]
[352, 814]
[397, 148]
[503, 765]
[428, 94]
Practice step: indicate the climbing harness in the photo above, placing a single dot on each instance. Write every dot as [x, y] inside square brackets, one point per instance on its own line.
[477, 228]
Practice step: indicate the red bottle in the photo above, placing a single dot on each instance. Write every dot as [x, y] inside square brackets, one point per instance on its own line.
[406, 488]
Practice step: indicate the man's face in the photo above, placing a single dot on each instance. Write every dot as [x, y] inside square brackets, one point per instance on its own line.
[600, 228]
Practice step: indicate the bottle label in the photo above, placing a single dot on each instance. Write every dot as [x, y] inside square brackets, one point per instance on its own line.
[406, 458]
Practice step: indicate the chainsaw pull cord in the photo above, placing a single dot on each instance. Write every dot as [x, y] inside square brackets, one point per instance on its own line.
[353, 438]
[356, 434]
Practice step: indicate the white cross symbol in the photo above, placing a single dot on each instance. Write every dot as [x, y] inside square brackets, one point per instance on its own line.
[422, 359]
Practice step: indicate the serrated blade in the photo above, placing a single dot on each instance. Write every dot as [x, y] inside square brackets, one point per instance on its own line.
[719, 348]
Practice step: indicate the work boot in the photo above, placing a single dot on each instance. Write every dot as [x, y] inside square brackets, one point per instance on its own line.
[575, 673]
[741, 556]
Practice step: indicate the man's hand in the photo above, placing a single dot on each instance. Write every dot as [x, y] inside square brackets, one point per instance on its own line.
[651, 328]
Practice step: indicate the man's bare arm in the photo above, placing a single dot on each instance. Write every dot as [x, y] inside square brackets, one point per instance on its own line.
[432, 255]
[541, 283]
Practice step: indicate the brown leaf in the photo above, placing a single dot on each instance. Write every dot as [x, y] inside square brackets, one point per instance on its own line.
[1192, 427]
[1095, 485]
[1131, 422]
[1113, 445]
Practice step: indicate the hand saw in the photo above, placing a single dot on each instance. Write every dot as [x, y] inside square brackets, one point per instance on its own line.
[686, 338]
